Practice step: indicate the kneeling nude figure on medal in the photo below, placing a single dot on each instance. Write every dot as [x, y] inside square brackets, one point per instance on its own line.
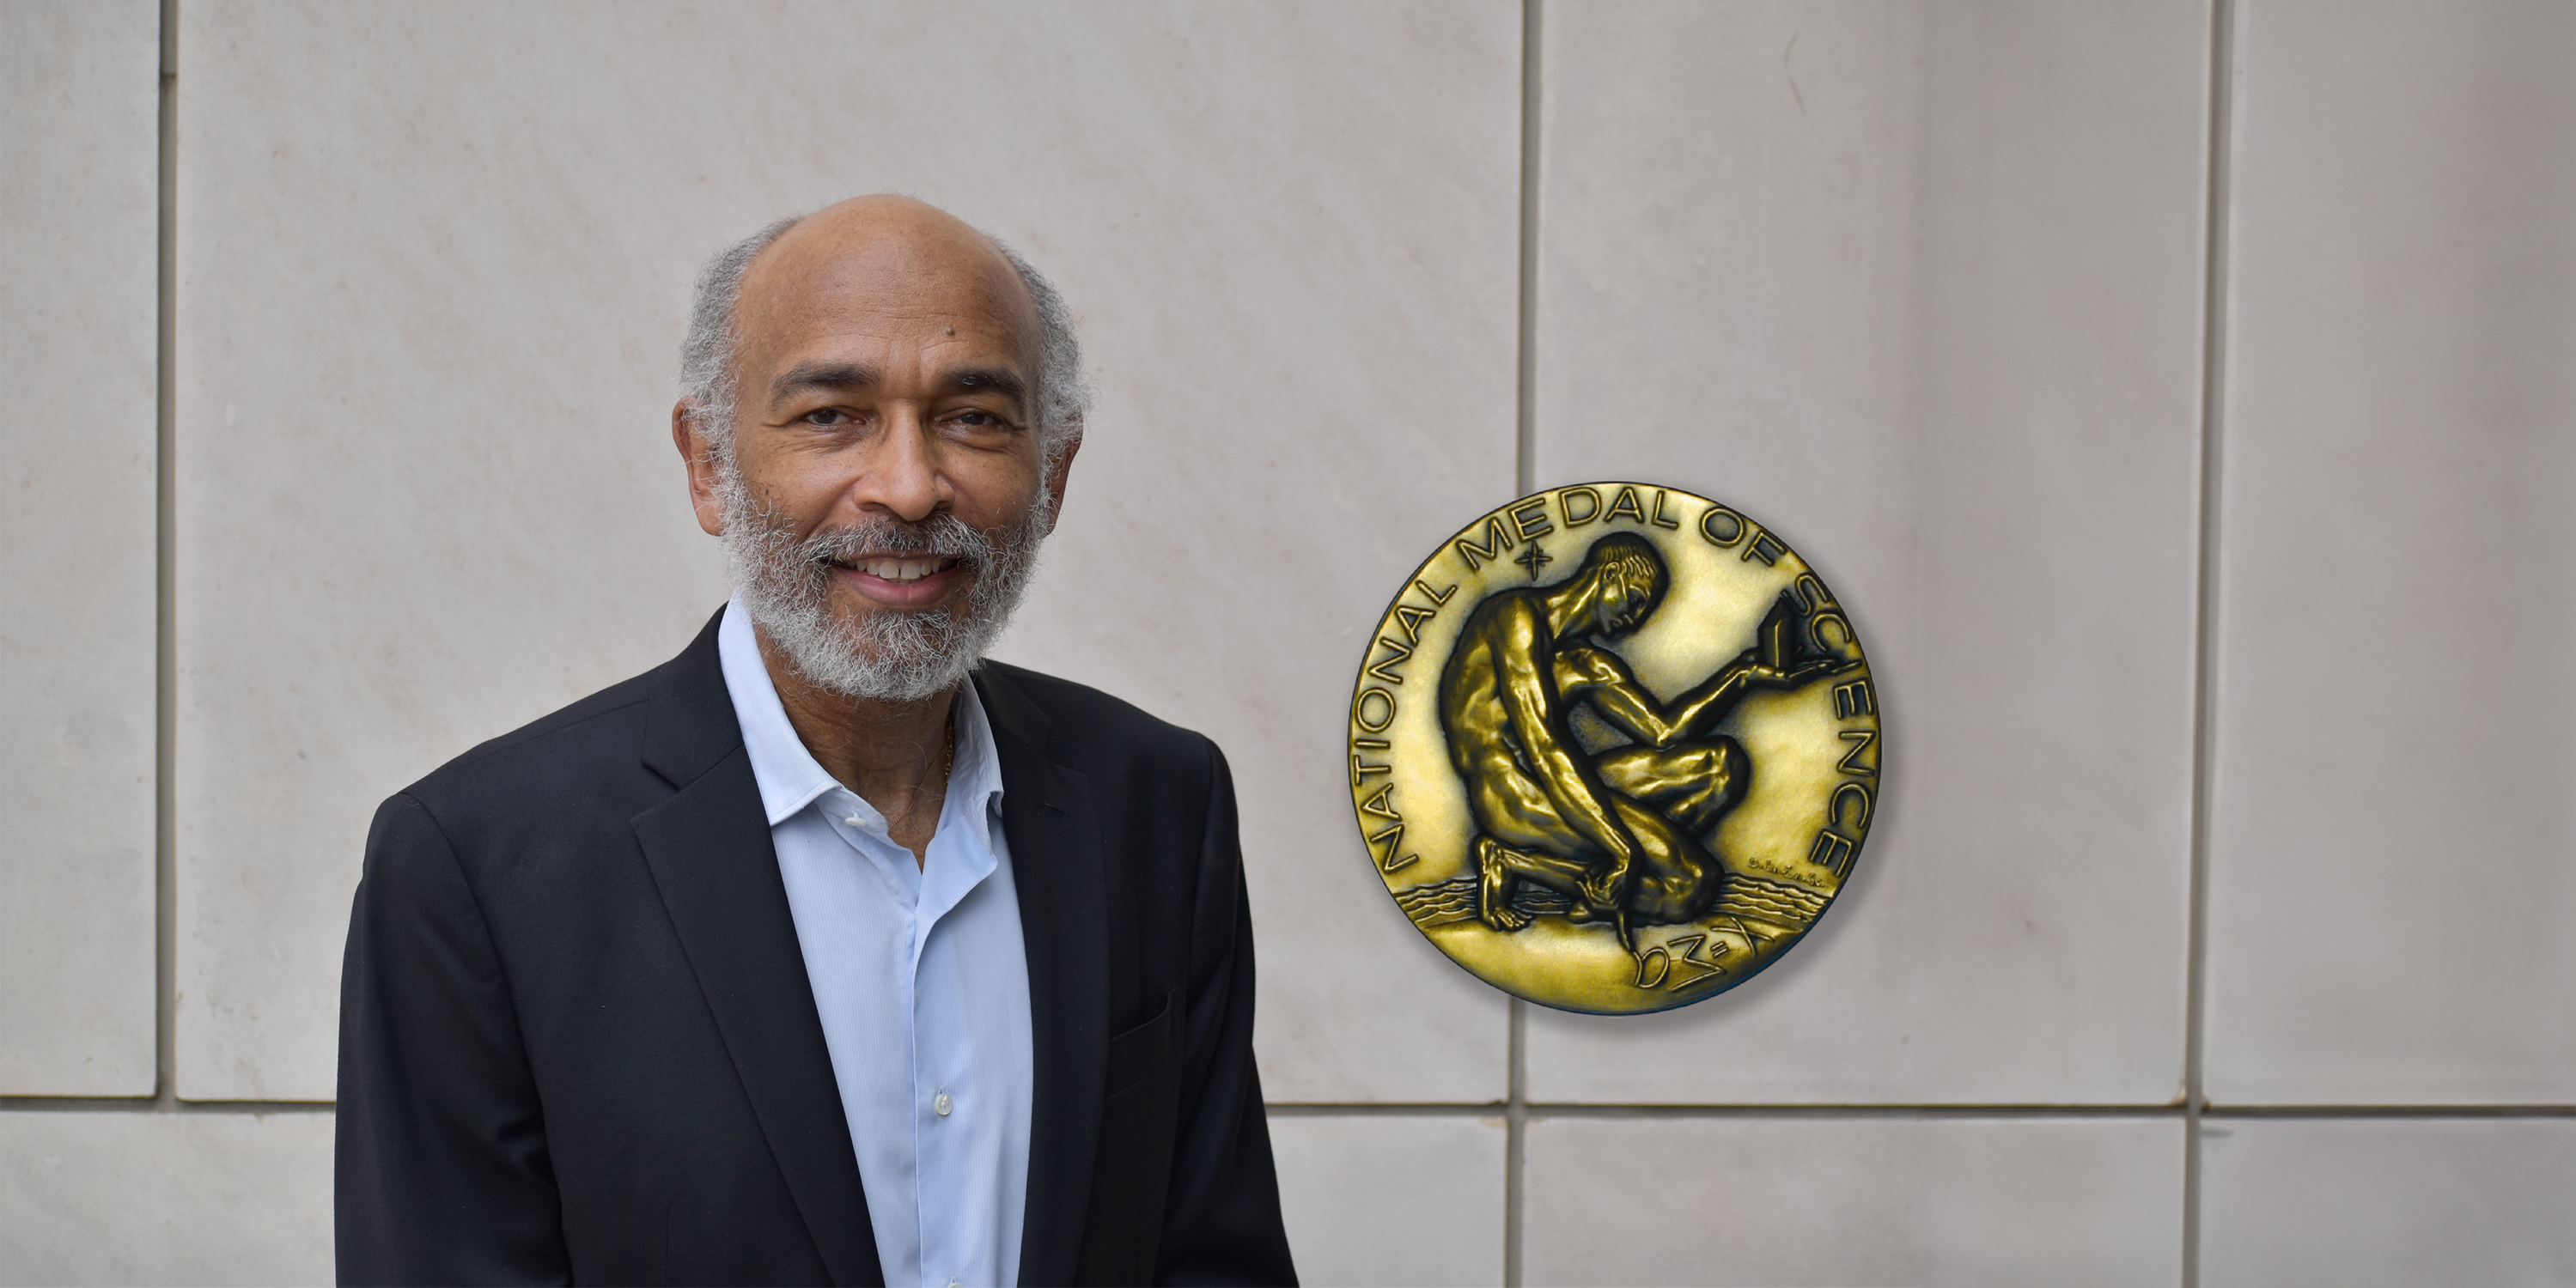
[1619, 832]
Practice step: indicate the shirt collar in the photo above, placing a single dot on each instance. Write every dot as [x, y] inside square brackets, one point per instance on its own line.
[790, 779]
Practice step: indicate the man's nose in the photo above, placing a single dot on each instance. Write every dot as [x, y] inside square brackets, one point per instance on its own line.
[904, 478]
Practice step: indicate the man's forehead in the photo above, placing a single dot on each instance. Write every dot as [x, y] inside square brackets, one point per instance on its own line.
[895, 263]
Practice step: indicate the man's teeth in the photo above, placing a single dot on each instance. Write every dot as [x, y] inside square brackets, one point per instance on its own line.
[901, 569]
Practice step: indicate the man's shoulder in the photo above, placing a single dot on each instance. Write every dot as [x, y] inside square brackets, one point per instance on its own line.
[1084, 723]
[571, 754]
[1520, 603]
[587, 725]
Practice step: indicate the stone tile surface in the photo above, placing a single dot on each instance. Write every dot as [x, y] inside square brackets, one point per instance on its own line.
[80, 146]
[2390, 892]
[1392, 1200]
[1919, 285]
[165, 1198]
[433, 278]
[1985, 1201]
[2388, 1201]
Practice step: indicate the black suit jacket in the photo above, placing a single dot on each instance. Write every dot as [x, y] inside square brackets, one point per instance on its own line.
[577, 1041]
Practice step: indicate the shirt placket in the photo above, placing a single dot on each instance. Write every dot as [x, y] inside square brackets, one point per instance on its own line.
[942, 1135]
[866, 830]
[923, 893]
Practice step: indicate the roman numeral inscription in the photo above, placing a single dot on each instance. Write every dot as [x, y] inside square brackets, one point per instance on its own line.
[1662, 966]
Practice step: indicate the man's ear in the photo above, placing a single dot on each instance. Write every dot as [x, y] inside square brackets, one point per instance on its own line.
[699, 454]
[1055, 476]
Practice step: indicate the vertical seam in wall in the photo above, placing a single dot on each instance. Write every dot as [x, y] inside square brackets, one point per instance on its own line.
[1525, 440]
[1524, 481]
[2213, 397]
[1515, 1142]
[165, 828]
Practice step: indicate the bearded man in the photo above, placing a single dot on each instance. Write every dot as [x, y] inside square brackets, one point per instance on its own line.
[826, 951]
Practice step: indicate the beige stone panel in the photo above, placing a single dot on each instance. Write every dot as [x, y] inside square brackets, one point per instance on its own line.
[2363, 1202]
[2390, 892]
[79, 146]
[1919, 286]
[165, 1198]
[1379, 1199]
[434, 266]
[1980, 1201]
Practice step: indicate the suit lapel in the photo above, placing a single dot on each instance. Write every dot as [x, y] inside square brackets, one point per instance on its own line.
[712, 860]
[1063, 894]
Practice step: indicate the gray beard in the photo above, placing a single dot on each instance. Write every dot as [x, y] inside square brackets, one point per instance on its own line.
[884, 655]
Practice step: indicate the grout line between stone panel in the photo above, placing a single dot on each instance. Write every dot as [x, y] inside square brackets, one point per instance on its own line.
[1532, 1110]
[2213, 400]
[156, 1105]
[1524, 481]
[1525, 440]
[165, 667]
[1572, 1109]
[1660, 1112]
[2387, 1111]
[1515, 1111]
[1516, 1119]
[1491, 1109]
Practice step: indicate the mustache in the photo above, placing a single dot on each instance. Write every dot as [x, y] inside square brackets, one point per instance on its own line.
[940, 536]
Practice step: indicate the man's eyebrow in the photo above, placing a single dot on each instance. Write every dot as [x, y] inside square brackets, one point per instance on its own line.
[851, 375]
[822, 375]
[1000, 380]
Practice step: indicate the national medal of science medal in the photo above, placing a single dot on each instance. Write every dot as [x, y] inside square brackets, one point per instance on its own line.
[1614, 748]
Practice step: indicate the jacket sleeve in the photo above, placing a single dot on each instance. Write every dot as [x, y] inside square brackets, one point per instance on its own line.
[1221, 1222]
[441, 1173]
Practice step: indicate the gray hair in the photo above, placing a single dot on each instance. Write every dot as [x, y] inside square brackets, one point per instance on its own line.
[706, 356]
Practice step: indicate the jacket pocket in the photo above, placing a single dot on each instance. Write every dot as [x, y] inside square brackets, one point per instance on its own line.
[1131, 1173]
[1139, 1051]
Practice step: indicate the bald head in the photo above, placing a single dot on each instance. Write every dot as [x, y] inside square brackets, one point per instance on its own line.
[870, 263]
[874, 262]
[867, 243]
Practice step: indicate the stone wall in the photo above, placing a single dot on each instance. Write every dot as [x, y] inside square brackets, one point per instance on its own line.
[2180, 398]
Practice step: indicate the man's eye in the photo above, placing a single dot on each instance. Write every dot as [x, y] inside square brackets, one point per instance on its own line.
[826, 416]
[979, 419]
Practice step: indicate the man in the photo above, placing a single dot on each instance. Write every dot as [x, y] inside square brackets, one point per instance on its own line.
[821, 953]
[1619, 832]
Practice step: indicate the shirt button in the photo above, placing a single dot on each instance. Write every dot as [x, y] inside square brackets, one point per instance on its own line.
[943, 1104]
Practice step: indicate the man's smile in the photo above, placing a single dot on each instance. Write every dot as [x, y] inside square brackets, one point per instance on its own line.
[912, 568]
[904, 581]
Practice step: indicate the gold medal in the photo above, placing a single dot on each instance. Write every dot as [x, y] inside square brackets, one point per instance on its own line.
[1614, 748]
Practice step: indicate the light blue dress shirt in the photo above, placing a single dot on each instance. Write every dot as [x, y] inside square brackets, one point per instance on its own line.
[922, 981]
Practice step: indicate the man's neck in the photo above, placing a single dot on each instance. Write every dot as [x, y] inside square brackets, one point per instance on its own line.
[895, 755]
[1566, 605]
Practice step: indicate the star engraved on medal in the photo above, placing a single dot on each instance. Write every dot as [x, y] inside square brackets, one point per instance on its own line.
[1532, 558]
